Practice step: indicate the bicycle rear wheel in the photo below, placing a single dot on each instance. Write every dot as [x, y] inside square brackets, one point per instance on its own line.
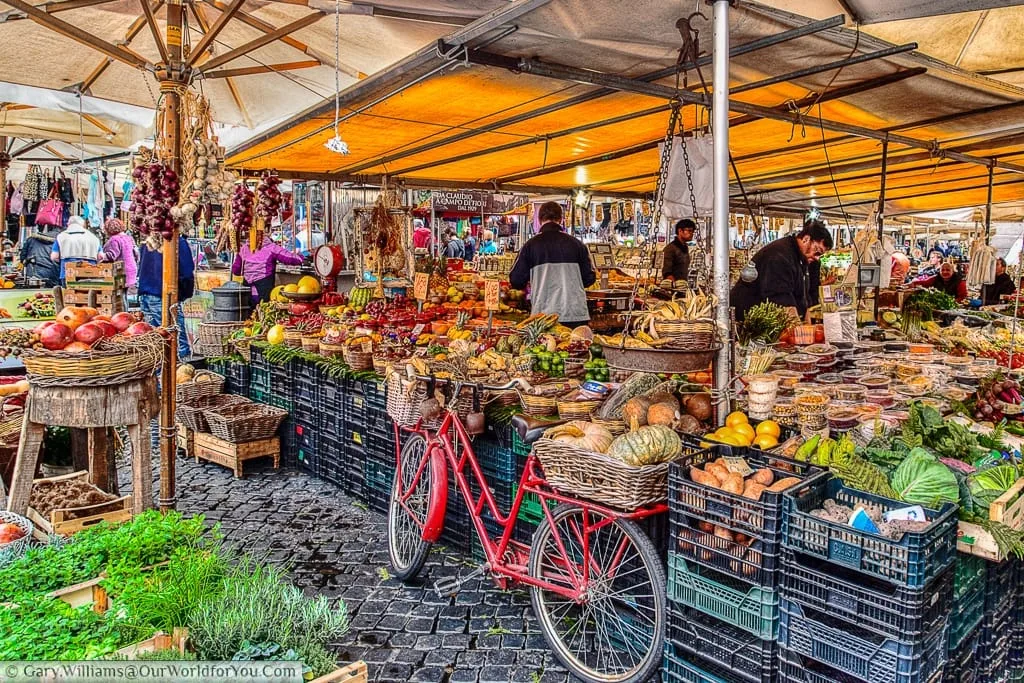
[406, 547]
[617, 632]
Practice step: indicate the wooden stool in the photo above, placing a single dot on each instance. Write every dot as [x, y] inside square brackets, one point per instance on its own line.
[93, 408]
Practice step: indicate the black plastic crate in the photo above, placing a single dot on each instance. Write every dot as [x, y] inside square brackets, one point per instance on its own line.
[960, 661]
[888, 609]
[681, 668]
[702, 638]
[282, 378]
[857, 652]
[237, 378]
[966, 615]
[374, 393]
[730, 532]
[332, 393]
[912, 560]
[353, 463]
[991, 659]
[377, 478]
[500, 462]
[794, 668]
[306, 388]
[380, 440]
[259, 370]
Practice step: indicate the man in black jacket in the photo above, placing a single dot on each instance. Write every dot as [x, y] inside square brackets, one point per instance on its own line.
[676, 263]
[783, 275]
[35, 257]
[558, 268]
[1003, 285]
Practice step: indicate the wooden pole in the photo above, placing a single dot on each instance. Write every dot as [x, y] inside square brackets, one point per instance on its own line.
[174, 77]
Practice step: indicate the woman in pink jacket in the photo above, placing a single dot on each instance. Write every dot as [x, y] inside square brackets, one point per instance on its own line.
[258, 268]
[121, 247]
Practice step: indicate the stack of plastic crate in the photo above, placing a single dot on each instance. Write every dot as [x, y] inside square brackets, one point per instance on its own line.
[859, 606]
[723, 574]
[994, 655]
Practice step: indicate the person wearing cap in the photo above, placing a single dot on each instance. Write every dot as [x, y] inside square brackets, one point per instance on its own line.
[676, 263]
[75, 245]
[421, 238]
[487, 244]
[121, 247]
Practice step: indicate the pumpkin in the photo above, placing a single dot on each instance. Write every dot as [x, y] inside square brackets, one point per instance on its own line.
[648, 445]
[585, 435]
[662, 414]
[664, 397]
[636, 410]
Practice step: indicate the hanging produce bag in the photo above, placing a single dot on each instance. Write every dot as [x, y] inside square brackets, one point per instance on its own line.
[700, 154]
[51, 211]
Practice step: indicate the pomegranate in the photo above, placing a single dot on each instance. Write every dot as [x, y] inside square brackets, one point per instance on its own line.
[56, 336]
[109, 329]
[75, 317]
[138, 328]
[76, 347]
[89, 333]
[122, 321]
[101, 316]
[42, 326]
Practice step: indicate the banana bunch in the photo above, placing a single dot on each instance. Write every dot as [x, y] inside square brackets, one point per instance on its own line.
[541, 320]
[641, 340]
[488, 361]
[360, 339]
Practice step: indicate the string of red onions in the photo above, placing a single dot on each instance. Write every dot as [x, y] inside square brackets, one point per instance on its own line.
[156, 191]
[242, 208]
[269, 197]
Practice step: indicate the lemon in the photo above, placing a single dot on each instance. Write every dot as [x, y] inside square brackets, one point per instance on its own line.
[275, 335]
[292, 288]
[769, 427]
[731, 439]
[765, 441]
[735, 418]
[745, 432]
[309, 285]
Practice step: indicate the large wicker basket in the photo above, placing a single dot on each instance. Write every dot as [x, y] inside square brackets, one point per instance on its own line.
[214, 339]
[193, 413]
[243, 347]
[576, 410]
[109, 362]
[245, 421]
[332, 350]
[404, 397]
[293, 339]
[16, 548]
[600, 477]
[311, 343]
[203, 383]
[358, 360]
[538, 406]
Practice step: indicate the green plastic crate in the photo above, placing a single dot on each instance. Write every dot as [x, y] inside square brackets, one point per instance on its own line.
[530, 510]
[744, 605]
[969, 572]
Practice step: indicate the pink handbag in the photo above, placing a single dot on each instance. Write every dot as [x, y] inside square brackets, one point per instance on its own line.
[51, 210]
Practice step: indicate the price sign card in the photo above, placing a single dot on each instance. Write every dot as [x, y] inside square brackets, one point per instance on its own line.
[492, 295]
[419, 286]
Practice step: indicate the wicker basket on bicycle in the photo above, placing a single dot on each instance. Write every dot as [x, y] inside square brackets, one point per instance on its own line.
[404, 396]
[111, 361]
[602, 478]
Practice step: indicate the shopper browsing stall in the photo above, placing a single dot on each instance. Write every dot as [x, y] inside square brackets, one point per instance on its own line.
[121, 247]
[258, 268]
[35, 256]
[151, 288]
[421, 238]
[676, 266]
[488, 247]
[783, 273]
[1003, 286]
[75, 245]
[557, 266]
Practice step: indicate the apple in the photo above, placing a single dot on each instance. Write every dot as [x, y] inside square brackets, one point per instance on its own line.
[76, 347]
[89, 333]
[138, 328]
[56, 336]
[73, 317]
[122, 321]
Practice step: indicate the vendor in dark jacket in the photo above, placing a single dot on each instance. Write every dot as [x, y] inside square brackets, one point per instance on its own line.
[783, 275]
[676, 264]
[948, 281]
[35, 257]
[1002, 286]
[558, 268]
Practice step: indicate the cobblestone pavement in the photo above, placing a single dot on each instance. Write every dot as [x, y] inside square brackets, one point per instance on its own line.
[335, 547]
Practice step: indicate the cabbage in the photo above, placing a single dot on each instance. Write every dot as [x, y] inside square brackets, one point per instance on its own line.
[922, 479]
[988, 484]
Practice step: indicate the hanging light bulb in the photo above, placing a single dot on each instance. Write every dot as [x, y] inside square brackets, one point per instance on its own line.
[749, 272]
[336, 144]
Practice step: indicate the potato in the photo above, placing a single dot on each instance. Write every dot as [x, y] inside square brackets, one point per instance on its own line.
[782, 484]
[764, 476]
[720, 472]
[724, 534]
[704, 478]
[734, 484]
[753, 490]
[706, 527]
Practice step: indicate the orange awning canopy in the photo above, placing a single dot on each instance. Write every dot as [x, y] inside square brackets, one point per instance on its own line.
[434, 121]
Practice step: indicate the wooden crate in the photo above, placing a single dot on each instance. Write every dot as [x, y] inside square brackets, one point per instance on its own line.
[351, 673]
[90, 275]
[178, 640]
[67, 521]
[103, 296]
[1007, 509]
[209, 447]
[186, 440]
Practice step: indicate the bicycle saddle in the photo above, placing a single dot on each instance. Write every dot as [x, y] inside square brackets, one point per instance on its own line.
[531, 428]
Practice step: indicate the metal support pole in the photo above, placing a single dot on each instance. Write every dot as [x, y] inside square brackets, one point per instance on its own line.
[3, 182]
[171, 80]
[720, 216]
[880, 218]
[988, 206]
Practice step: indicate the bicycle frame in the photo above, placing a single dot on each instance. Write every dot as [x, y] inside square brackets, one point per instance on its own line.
[507, 559]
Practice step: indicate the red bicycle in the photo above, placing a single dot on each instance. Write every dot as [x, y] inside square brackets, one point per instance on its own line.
[597, 583]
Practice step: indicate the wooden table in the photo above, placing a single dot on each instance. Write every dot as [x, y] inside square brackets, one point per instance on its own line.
[131, 404]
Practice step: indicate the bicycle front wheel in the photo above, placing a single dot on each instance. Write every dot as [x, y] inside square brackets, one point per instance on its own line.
[616, 632]
[407, 511]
